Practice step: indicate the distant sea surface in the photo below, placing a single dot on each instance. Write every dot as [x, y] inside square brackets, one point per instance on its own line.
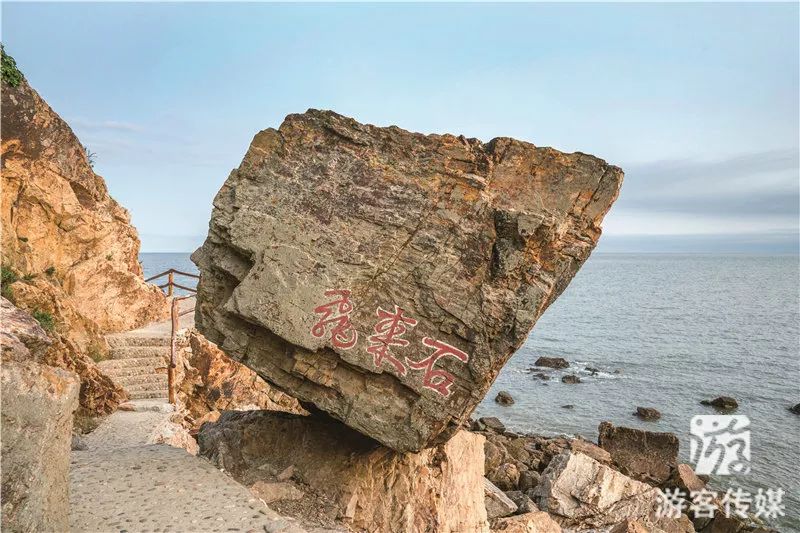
[680, 329]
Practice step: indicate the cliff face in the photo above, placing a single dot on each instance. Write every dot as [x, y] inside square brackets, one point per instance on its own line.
[387, 276]
[59, 222]
[69, 252]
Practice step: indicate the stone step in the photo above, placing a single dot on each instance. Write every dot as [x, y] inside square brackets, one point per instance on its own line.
[119, 340]
[122, 372]
[148, 395]
[137, 352]
[146, 387]
[142, 365]
[156, 380]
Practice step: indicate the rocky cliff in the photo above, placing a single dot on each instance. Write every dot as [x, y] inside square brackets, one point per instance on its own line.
[69, 252]
[59, 222]
[386, 276]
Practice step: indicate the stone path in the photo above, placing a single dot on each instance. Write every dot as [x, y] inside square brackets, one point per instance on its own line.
[121, 482]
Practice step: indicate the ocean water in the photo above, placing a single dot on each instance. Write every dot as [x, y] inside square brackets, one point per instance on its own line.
[680, 329]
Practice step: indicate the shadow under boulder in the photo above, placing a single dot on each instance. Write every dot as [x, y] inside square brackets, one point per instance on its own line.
[372, 487]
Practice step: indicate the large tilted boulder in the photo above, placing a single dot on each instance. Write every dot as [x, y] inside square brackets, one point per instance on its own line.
[373, 487]
[36, 426]
[386, 276]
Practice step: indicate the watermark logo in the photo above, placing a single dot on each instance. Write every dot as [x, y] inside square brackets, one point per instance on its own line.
[720, 444]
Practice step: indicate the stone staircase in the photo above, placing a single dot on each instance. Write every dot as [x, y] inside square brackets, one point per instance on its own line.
[138, 363]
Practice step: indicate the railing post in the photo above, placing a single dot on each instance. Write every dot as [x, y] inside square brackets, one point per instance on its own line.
[170, 280]
[173, 348]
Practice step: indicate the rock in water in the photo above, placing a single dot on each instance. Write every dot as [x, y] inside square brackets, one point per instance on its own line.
[387, 276]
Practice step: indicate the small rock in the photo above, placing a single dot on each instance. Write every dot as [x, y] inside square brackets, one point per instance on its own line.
[523, 501]
[537, 522]
[568, 406]
[648, 413]
[78, 444]
[542, 376]
[592, 450]
[504, 398]
[528, 479]
[724, 403]
[286, 474]
[552, 362]
[272, 492]
[795, 409]
[494, 456]
[505, 476]
[684, 478]
[492, 424]
[618, 371]
[126, 407]
[498, 504]
[592, 370]
[570, 379]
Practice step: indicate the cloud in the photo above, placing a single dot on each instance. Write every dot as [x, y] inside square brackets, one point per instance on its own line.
[106, 125]
[761, 184]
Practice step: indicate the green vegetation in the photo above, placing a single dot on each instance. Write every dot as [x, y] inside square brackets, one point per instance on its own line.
[23, 239]
[7, 277]
[29, 277]
[91, 156]
[11, 74]
[50, 270]
[109, 257]
[96, 352]
[44, 319]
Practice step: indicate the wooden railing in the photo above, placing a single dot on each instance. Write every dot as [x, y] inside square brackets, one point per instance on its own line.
[170, 284]
[176, 313]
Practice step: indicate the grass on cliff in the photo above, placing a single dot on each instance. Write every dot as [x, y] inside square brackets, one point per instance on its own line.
[7, 276]
[44, 319]
[96, 352]
[11, 73]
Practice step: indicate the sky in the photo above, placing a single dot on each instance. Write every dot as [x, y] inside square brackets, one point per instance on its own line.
[698, 103]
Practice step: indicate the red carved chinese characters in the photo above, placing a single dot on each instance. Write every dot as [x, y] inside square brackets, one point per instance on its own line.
[336, 315]
[388, 331]
[438, 380]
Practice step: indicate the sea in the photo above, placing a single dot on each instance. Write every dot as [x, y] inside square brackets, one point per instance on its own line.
[663, 331]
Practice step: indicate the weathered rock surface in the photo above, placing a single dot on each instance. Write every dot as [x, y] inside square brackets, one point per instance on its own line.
[586, 494]
[38, 402]
[498, 504]
[375, 488]
[60, 223]
[386, 276]
[644, 455]
[211, 382]
[23, 339]
[535, 522]
[21, 336]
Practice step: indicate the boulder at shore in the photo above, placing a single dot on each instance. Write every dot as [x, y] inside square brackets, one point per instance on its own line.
[386, 276]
